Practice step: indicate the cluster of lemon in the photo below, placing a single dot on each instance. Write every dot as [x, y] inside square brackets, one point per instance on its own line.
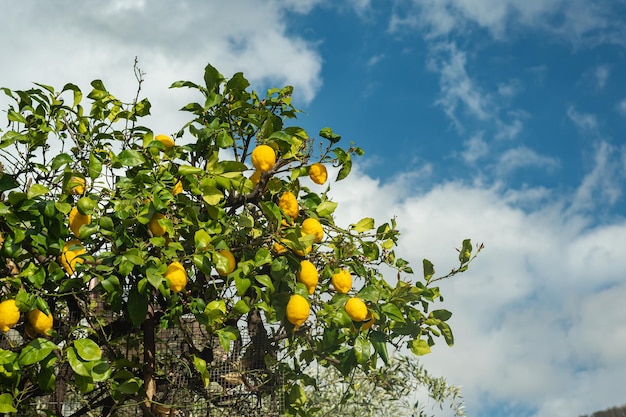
[176, 274]
[298, 308]
[38, 321]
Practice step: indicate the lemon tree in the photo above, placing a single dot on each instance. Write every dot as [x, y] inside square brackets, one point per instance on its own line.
[111, 232]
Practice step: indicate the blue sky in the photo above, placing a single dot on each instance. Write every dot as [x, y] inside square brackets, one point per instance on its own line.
[499, 120]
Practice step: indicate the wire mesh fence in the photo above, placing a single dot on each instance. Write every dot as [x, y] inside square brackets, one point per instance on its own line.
[239, 382]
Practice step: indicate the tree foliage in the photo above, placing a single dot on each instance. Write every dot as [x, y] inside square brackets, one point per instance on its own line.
[146, 205]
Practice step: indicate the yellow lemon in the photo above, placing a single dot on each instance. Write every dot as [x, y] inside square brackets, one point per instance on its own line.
[278, 248]
[176, 275]
[342, 281]
[368, 322]
[77, 219]
[356, 309]
[9, 315]
[77, 185]
[298, 310]
[289, 204]
[167, 141]
[318, 173]
[231, 263]
[312, 226]
[154, 225]
[71, 255]
[308, 275]
[40, 322]
[263, 158]
[178, 188]
[304, 252]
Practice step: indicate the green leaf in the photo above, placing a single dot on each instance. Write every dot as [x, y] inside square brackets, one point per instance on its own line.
[84, 383]
[466, 251]
[327, 133]
[78, 95]
[95, 166]
[200, 365]
[227, 335]
[393, 312]
[429, 269]
[379, 341]
[326, 208]
[241, 307]
[266, 281]
[212, 77]
[202, 240]
[76, 363]
[88, 349]
[130, 158]
[37, 190]
[137, 306]
[7, 182]
[442, 315]
[446, 331]
[129, 387]
[6, 403]
[60, 160]
[363, 225]
[242, 284]
[262, 257]
[16, 117]
[420, 347]
[362, 349]
[100, 371]
[345, 169]
[36, 351]
[185, 170]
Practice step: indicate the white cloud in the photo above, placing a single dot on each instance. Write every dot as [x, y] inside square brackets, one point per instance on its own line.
[522, 157]
[475, 148]
[537, 319]
[621, 107]
[584, 121]
[81, 42]
[375, 60]
[509, 89]
[601, 75]
[458, 90]
[574, 20]
[602, 185]
[466, 102]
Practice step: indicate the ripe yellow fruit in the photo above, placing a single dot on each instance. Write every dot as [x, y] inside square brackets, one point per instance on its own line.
[298, 310]
[308, 275]
[78, 185]
[356, 309]
[69, 257]
[231, 263]
[304, 252]
[154, 225]
[176, 275]
[368, 322]
[255, 177]
[289, 204]
[77, 219]
[178, 188]
[318, 173]
[312, 226]
[342, 281]
[40, 322]
[278, 248]
[167, 141]
[9, 315]
[263, 158]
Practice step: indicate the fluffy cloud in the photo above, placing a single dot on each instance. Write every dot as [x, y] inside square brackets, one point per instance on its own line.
[574, 20]
[533, 321]
[80, 42]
